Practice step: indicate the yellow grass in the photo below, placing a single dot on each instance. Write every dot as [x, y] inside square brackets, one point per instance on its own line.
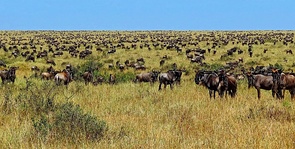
[140, 116]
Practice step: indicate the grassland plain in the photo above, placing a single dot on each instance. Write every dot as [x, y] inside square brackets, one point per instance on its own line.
[140, 116]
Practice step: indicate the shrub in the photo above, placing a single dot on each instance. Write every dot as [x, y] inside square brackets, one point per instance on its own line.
[120, 76]
[57, 120]
[42, 127]
[125, 77]
[214, 66]
[90, 65]
[71, 122]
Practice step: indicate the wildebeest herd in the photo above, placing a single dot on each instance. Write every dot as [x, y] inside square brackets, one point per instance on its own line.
[183, 53]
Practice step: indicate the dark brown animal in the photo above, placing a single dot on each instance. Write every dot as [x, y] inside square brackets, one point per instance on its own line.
[227, 85]
[112, 79]
[162, 62]
[287, 82]
[35, 68]
[169, 78]
[2, 63]
[260, 81]
[147, 77]
[8, 75]
[99, 80]
[88, 77]
[50, 62]
[289, 52]
[30, 58]
[209, 79]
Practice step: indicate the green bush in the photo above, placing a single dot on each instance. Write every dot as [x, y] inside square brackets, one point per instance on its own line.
[279, 66]
[71, 122]
[90, 65]
[125, 77]
[55, 120]
[120, 76]
[42, 127]
[214, 66]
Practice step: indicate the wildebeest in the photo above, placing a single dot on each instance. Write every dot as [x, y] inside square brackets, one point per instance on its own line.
[140, 60]
[8, 75]
[35, 68]
[209, 79]
[111, 51]
[88, 77]
[227, 84]
[286, 82]
[169, 78]
[289, 51]
[2, 63]
[265, 82]
[112, 79]
[99, 80]
[50, 69]
[139, 67]
[162, 62]
[30, 58]
[47, 75]
[64, 76]
[147, 77]
[50, 62]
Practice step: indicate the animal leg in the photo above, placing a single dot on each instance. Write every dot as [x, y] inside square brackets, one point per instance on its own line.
[210, 94]
[292, 92]
[258, 92]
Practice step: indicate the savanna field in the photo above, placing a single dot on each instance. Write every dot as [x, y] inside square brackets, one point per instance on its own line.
[37, 113]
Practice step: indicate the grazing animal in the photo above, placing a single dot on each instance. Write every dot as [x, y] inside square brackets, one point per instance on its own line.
[88, 77]
[140, 60]
[139, 67]
[35, 68]
[121, 67]
[30, 58]
[147, 77]
[260, 81]
[162, 62]
[50, 62]
[99, 80]
[289, 52]
[227, 85]
[50, 69]
[2, 63]
[170, 78]
[209, 79]
[287, 82]
[64, 77]
[111, 51]
[47, 75]
[112, 79]
[8, 75]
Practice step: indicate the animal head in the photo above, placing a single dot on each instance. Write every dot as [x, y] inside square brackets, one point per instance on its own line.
[198, 77]
[155, 75]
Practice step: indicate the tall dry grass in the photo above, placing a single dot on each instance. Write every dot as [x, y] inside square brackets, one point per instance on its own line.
[140, 116]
